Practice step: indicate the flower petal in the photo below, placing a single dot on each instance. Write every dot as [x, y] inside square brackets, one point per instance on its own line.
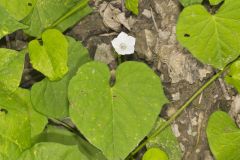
[116, 43]
[123, 37]
[131, 41]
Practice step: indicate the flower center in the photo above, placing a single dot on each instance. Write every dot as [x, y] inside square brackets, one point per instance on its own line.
[123, 46]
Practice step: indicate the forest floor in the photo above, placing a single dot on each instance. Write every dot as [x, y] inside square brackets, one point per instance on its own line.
[181, 74]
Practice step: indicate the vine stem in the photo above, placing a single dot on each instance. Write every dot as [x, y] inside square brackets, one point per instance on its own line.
[59, 122]
[178, 112]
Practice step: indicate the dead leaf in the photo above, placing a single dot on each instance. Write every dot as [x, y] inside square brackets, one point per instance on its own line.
[109, 14]
[114, 18]
[146, 41]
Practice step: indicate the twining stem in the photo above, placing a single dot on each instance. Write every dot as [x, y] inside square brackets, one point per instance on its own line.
[179, 111]
[56, 121]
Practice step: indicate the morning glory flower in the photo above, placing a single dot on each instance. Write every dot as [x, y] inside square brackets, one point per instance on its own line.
[124, 44]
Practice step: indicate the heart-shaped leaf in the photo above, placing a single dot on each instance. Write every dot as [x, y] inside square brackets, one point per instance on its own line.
[213, 39]
[60, 14]
[51, 57]
[186, 3]
[233, 76]
[223, 136]
[50, 97]
[11, 68]
[115, 119]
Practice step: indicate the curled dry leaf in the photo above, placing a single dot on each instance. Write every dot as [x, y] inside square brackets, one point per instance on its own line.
[114, 18]
[109, 14]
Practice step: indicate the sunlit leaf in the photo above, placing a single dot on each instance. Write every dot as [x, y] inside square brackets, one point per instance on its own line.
[223, 136]
[211, 38]
[51, 57]
[11, 68]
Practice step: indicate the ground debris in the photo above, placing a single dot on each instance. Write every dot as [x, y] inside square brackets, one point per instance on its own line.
[235, 109]
[114, 18]
[104, 53]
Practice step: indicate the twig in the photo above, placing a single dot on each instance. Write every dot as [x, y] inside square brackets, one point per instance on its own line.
[224, 90]
[199, 129]
[154, 21]
[200, 98]
[123, 5]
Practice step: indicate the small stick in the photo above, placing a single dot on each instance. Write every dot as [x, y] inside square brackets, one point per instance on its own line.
[199, 129]
[154, 21]
[224, 90]
[123, 5]
[200, 98]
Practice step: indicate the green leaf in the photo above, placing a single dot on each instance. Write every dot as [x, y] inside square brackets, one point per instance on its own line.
[233, 77]
[115, 119]
[50, 98]
[213, 39]
[37, 121]
[155, 154]
[8, 150]
[186, 3]
[18, 9]
[167, 141]
[52, 151]
[132, 5]
[15, 130]
[215, 2]
[8, 24]
[62, 136]
[51, 57]
[19, 123]
[223, 136]
[60, 14]
[11, 68]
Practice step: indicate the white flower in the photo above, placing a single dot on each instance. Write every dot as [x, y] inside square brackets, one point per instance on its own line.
[124, 44]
